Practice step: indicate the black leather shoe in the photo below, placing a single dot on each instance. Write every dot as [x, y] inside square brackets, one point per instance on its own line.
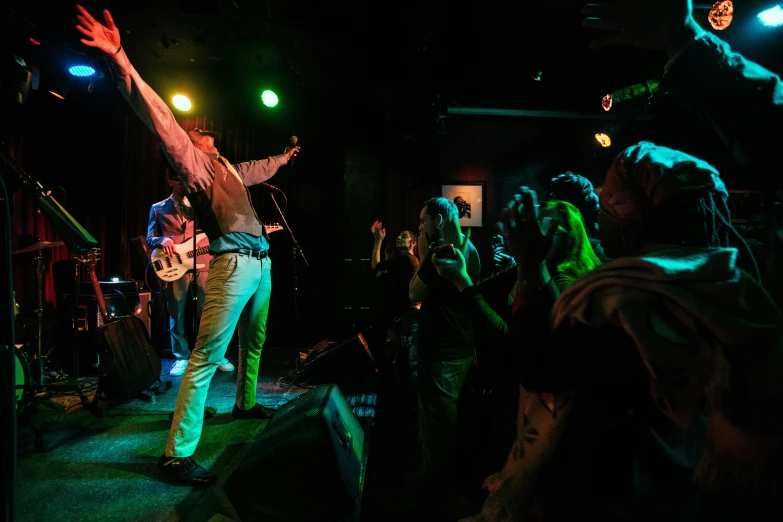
[256, 412]
[185, 470]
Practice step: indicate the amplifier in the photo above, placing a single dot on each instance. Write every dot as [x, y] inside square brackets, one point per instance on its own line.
[88, 317]
[131, 303]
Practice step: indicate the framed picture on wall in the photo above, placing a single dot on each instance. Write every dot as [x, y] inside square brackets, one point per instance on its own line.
[469, 198]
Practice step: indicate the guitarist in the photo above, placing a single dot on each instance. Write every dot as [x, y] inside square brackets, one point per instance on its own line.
[167, 224]
[239, 284]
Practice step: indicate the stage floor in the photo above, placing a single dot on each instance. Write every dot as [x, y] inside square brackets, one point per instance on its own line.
[76, 465]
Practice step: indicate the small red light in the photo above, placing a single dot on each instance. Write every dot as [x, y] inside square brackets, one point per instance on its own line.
[36, 42]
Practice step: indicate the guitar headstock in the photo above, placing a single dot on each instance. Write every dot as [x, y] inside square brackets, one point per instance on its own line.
[272, 227]
[93, 256]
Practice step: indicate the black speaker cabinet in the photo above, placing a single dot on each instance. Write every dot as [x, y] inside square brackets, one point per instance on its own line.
[315, 438]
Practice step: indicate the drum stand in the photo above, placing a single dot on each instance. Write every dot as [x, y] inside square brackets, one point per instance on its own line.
[40, 387]
[39, 316]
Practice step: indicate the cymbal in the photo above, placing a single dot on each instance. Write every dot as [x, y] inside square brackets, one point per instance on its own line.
[40, 245]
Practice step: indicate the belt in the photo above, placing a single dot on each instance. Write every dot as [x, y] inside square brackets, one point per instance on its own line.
[258, 254]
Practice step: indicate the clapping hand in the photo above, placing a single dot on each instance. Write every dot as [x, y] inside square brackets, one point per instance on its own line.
[527, 243]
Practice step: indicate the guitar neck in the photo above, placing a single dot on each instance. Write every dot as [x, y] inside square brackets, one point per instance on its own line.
[198, 252]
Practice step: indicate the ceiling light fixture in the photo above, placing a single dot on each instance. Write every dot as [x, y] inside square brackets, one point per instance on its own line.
[721, 15]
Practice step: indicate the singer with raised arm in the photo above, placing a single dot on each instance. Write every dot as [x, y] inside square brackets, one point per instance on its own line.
[239, 284]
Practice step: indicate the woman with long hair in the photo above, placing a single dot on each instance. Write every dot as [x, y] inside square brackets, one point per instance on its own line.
[571, 254]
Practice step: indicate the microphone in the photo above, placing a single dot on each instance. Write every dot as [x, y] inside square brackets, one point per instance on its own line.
[292, 143]
[270, 187]
[627, 94]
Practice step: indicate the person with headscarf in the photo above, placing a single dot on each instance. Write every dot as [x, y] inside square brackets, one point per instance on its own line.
[653, 374]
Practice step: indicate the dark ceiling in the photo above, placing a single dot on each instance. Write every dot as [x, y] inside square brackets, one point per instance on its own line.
[471, 53]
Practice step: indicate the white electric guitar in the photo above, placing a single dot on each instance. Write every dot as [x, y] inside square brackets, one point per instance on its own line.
[171, 268]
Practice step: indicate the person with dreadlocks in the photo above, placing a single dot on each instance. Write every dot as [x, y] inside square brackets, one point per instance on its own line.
[579, 191]
[650, 375]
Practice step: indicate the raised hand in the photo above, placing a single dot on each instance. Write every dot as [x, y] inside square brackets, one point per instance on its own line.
[500, 256]
[378, 231]
[452, 235]
[451, 232]
[665, 25]
[104, 37]
[525, 240]
[452, 269]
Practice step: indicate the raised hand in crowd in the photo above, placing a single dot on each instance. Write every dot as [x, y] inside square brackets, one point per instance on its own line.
[501, 258]
[451, 266]
[452, 235]
[524, 237]
[378, 232]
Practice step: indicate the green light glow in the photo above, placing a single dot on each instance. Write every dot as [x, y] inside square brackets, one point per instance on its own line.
[269, 98]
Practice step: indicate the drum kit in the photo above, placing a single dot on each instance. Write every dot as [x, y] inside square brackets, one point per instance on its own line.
[24, 384]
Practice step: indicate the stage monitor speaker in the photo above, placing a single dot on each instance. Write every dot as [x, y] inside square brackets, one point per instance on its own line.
[349, 364]
[315, 438]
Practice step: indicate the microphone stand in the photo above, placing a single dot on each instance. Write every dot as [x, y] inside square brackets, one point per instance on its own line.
[296, 250]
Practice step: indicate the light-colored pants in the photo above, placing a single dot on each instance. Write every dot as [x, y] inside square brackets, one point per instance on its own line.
[238, 291]
[176, 302]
